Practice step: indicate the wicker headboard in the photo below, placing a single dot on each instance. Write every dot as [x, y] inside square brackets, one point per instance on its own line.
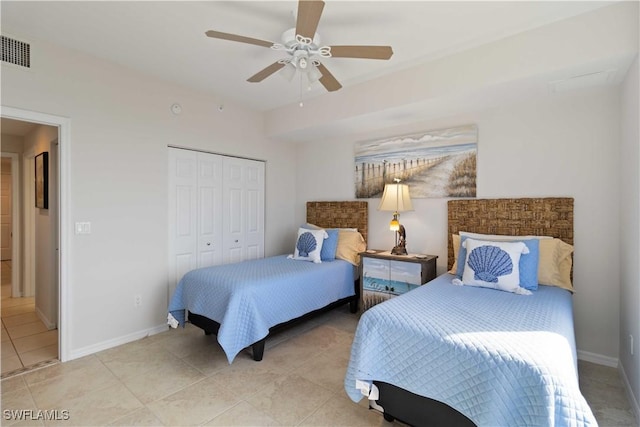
[515, 217]
[340, 215]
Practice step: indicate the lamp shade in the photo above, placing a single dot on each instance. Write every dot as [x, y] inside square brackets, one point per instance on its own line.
[288, 71]
[313, 74]
[395, 198]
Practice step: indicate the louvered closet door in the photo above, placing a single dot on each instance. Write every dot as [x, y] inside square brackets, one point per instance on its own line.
[243, 201]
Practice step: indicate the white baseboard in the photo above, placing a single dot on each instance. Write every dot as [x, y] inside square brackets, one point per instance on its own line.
[632, 398]
[94, 348]
[598, 358]
[48, 323]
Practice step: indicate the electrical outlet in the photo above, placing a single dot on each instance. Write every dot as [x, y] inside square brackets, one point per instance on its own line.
[137, 300]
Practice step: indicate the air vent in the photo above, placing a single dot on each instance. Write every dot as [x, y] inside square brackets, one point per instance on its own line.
[16, 52]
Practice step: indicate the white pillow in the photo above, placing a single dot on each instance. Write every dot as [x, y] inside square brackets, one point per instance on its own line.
[496, 237]
[555, 262]
[309, 245]
[494, 265]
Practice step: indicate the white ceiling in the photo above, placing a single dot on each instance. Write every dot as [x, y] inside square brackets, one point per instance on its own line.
[166, 39]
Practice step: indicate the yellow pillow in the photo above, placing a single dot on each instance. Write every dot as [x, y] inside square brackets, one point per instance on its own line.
[554, 266]
[456, 248]
[350, 244]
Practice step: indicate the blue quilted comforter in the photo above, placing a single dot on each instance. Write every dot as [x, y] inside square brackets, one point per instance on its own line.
[499, 358]
[248, 298]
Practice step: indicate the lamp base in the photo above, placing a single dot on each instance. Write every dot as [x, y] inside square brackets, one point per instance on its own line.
[399, 250]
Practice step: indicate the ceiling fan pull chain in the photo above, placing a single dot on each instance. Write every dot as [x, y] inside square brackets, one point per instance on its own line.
[301, 103]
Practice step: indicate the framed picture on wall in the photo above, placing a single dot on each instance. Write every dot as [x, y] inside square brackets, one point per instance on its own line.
[42, 180]
[435, 164]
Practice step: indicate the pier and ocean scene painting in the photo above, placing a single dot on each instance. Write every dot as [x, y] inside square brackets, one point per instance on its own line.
[438, 163]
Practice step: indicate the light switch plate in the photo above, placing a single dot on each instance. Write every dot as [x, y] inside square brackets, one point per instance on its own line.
[83, 228]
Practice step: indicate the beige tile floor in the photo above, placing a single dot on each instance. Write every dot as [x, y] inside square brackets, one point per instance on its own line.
[181, 377]
[26, 341]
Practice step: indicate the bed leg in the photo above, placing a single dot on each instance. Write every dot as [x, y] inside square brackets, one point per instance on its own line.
[353, 306]
[258, 350]
[388, 417]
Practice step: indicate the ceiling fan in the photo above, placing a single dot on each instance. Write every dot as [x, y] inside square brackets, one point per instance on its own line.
[303, 48]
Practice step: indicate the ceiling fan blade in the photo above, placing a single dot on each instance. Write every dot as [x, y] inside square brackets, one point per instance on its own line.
[367, 52]
[237, 38]
[328, 81]
[261, 75]
[309, 12]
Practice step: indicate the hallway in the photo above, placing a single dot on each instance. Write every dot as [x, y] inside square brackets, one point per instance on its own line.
[25, 339]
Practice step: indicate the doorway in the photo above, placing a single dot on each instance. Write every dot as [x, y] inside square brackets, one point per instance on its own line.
[29, 298]
[48, 253]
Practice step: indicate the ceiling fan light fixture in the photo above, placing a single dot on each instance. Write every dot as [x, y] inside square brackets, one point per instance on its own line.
[313, 74]
[288, 72]
[304, 49]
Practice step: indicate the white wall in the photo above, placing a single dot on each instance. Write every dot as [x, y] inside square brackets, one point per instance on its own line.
[39, 141]
[11, 143]
[121, 126]
[630, 234]
[562, 145]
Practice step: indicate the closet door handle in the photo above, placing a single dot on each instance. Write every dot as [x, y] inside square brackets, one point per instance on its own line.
[208, 243]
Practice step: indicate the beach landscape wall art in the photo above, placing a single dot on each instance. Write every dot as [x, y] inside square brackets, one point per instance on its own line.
[436, 163]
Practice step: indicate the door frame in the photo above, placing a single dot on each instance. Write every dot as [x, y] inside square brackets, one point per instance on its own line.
[16, 290]
[64, 214]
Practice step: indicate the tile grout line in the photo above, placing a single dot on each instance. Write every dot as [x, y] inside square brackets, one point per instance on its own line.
[20, 355]
[31, 368]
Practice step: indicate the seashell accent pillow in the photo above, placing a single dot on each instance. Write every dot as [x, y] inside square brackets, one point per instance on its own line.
[309, 245]
[330, 244]
[528, 261]
[554, 260]
[494, 265]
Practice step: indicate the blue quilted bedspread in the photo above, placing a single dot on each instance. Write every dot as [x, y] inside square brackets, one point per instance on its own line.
[248, 298]
[499, 358]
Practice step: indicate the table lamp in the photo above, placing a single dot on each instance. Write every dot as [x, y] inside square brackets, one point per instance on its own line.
[396, 199]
